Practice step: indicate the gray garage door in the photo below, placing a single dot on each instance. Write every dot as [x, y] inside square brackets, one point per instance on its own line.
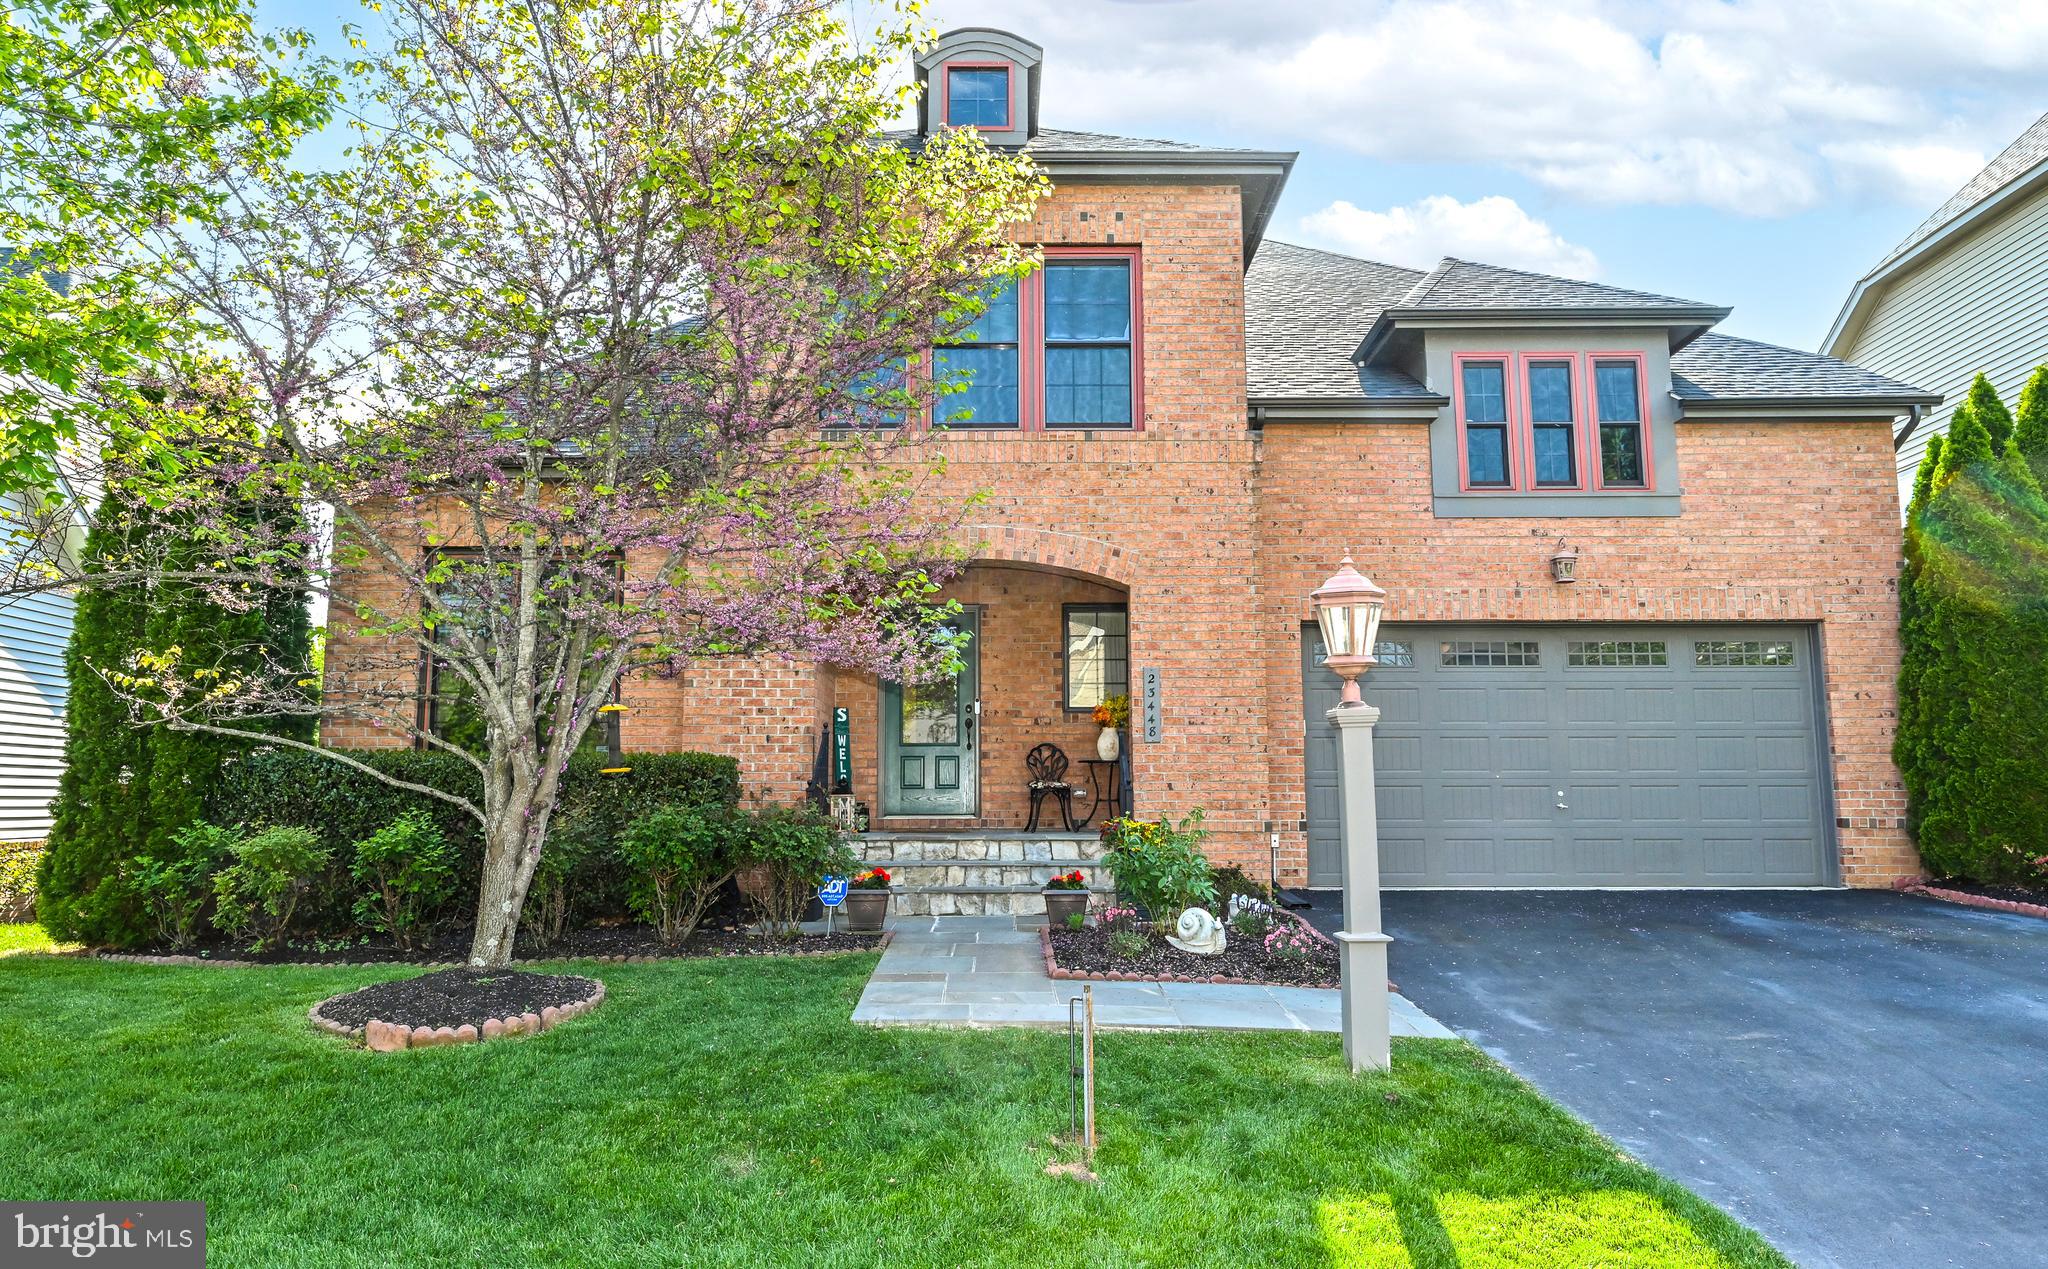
[1535, 756]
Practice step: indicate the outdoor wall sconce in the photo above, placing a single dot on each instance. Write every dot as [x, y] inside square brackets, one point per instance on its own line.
[1564, 563]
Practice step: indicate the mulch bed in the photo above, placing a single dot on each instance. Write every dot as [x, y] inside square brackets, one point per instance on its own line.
[2021, 899]
[457, 997]
[1086, 954]
[451, 947]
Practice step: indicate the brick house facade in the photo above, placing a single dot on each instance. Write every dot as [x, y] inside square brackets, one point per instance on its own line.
[1295, 404]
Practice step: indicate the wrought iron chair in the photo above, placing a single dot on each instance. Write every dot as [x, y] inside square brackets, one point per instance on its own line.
[1047, 764]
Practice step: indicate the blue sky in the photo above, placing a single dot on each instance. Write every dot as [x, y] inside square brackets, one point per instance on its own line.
[1761, 154]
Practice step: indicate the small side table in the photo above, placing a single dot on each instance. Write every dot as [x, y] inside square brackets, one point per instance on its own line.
[1106, 784]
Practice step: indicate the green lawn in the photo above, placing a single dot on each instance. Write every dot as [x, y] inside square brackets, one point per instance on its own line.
[24, 938]
[727, 1113]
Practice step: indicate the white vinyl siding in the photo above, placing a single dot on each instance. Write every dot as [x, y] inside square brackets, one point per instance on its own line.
[1982, 305]
[33, 632]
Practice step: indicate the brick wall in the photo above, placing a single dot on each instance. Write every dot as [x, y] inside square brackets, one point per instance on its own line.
[1782, 522]
[1216, 535]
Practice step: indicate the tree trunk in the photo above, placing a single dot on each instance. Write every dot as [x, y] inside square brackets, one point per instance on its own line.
[510, 842]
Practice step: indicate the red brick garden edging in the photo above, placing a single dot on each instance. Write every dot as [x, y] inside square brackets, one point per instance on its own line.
[1920, 886]
[388, 1037]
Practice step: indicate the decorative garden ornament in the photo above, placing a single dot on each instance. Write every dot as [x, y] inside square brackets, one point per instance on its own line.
[1198, 931]
[1109, 744]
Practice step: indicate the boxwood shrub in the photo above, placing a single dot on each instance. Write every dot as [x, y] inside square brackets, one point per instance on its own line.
[292, 788]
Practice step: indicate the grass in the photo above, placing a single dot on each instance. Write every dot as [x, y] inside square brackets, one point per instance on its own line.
[26, 938]
[727, 1113]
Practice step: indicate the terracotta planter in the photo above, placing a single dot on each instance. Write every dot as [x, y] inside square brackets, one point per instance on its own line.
[866, 910]
[1060, 904]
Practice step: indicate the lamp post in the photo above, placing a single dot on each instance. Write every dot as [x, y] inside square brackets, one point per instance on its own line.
[1348, 608]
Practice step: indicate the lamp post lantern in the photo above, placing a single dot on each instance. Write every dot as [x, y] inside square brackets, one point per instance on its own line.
[1348, 609]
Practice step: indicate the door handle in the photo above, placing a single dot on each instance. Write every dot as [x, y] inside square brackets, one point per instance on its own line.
[970, 733]
[1560, 801]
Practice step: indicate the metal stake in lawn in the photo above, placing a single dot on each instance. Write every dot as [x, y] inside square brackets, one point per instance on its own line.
[1348, 609]
[1081, 1071]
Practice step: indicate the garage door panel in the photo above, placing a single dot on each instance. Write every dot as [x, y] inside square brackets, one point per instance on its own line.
[1586, 756]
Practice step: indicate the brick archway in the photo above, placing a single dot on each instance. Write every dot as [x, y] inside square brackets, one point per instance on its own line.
[1056, 552]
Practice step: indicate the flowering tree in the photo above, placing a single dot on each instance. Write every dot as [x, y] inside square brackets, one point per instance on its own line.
[582, 349]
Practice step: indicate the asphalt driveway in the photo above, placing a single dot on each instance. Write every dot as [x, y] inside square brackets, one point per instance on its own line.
[1862, 1077]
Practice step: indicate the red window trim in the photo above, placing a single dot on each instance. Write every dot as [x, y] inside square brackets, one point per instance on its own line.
[1524, 430]
[1031, 349]
[1521, 428]
[1593, 360]
[946, 70]
[1512, 445]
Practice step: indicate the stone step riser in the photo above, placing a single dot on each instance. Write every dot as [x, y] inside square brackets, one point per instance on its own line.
[980, 850]
[928, 875]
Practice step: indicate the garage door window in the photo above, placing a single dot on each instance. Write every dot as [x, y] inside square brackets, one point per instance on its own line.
[1616, 653]
[1490, 653]
[1722, 653]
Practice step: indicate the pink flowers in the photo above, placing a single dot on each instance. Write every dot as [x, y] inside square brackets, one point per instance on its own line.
[1290, 942]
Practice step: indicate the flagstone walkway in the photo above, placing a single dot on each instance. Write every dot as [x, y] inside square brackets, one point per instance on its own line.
[990, 972]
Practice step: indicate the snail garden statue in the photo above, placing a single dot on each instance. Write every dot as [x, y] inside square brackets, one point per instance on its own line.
[1198, 931]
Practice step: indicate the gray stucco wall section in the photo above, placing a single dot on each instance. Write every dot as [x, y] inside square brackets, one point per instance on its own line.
[1661, 499]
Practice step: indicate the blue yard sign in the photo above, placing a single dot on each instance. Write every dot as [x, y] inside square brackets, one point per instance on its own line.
[833, 892]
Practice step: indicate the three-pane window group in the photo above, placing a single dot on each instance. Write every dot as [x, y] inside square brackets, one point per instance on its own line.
[1523, 421]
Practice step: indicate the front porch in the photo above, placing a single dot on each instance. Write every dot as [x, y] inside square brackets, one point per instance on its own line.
[951, 759]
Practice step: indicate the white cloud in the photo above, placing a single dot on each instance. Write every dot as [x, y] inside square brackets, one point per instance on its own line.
[1492, 230]
[1761, 107]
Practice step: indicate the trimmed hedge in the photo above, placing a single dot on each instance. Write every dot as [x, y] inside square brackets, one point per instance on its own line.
[292, 788]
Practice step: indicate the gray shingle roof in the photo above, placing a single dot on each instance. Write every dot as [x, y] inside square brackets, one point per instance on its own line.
[1718, 367]
[1056, 142]
[2013, 162]
[1455, 284]
[1303, 313]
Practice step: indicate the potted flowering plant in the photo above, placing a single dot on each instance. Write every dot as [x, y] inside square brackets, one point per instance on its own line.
[867, 901]
[1112, 715]
[1065, 896]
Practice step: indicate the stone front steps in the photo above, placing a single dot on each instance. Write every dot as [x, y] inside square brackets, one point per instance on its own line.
[981, 872]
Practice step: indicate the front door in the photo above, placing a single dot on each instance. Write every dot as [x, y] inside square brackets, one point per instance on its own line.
[929, 760]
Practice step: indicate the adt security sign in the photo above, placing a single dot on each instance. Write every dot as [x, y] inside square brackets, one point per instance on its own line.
[831, 893]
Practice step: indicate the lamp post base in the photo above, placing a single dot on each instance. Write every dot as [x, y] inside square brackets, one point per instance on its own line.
[1362, 961]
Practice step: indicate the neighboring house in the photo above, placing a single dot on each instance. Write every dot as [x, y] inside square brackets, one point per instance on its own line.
[1966, 292]
[34, 630]
[1189, 423]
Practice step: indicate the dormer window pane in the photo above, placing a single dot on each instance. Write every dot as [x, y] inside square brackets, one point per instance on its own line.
[1550, 423]
[978, 96]
[1483, 390]
[1618, 388]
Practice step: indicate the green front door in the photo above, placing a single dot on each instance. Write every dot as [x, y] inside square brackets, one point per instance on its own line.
[929, 761]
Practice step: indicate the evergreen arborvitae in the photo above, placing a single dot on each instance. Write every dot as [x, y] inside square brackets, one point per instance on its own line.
[1973, 683]
[126, 788]
[2030, 423]
[101, 812]
[1990, 412]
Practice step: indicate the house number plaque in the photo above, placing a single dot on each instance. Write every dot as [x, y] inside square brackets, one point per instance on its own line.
[1149, 703]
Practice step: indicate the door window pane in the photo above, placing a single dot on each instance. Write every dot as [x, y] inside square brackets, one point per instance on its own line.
[978, 96]
[931, 712]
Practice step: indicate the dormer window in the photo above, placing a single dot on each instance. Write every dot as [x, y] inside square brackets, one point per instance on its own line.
[978, 95]
[1523, 422]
